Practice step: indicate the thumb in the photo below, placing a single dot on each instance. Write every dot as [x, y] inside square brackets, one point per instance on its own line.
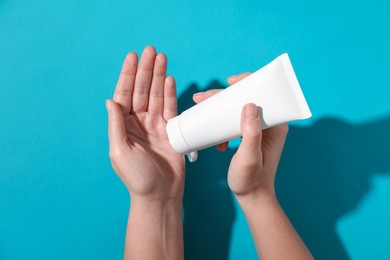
[116, 125]
[250, 148]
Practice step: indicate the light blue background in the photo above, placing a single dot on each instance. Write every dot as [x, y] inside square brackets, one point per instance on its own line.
[59, 61]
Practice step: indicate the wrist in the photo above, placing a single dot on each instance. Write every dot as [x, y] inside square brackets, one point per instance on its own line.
[154, 229]
[161, 206]
[257, 198]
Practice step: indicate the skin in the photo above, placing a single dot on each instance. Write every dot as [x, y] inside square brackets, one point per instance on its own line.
[143, 102]
[251, 178]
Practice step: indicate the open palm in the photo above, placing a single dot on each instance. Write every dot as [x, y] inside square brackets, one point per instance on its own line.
[144, 100]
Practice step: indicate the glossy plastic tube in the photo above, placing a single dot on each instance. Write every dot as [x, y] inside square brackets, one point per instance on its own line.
[274, 88]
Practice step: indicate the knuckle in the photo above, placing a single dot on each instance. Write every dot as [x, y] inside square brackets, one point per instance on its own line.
[256, 130]
[156, 94]
[115, 154]
[253, 130]
[142, 90]
[251, 165]
[124, 92]
[251, 162]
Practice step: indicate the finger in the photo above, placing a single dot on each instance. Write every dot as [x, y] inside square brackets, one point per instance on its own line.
[170, 99]
[199, 97]
[116, 126]
[156, 94]
[124, 88]
[143, 80]
[250, 147]
[273, 142]
[222, 147]
[236, 78]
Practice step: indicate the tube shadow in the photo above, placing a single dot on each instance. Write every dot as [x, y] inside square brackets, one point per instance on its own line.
[323, 174]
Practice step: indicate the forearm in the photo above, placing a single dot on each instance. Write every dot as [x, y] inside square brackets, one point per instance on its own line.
[274, 235]
[154, 230]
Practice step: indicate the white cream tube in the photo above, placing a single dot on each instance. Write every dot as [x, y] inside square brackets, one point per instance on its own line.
[274, 88]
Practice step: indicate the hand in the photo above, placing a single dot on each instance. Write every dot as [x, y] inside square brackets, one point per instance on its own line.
[143, 102]
[252, 169]
[251, 177]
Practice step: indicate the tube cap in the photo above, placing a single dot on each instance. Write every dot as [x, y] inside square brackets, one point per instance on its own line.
[176, 138]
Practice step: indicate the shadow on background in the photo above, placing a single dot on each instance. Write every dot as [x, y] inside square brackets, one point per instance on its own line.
[323, 174]
[208, 203]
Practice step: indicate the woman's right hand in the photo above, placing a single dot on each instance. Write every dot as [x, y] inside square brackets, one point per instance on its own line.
[253, 167]
[252, 176]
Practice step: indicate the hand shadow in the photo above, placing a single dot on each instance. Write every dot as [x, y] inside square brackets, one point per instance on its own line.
[323, 174]
[208, 203]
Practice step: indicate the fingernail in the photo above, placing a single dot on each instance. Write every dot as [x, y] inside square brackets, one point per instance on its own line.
[108, 106]
[160, 58]
[251, 111]
[232, 77]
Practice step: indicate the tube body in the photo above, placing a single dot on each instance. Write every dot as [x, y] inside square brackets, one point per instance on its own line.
[274, 88]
